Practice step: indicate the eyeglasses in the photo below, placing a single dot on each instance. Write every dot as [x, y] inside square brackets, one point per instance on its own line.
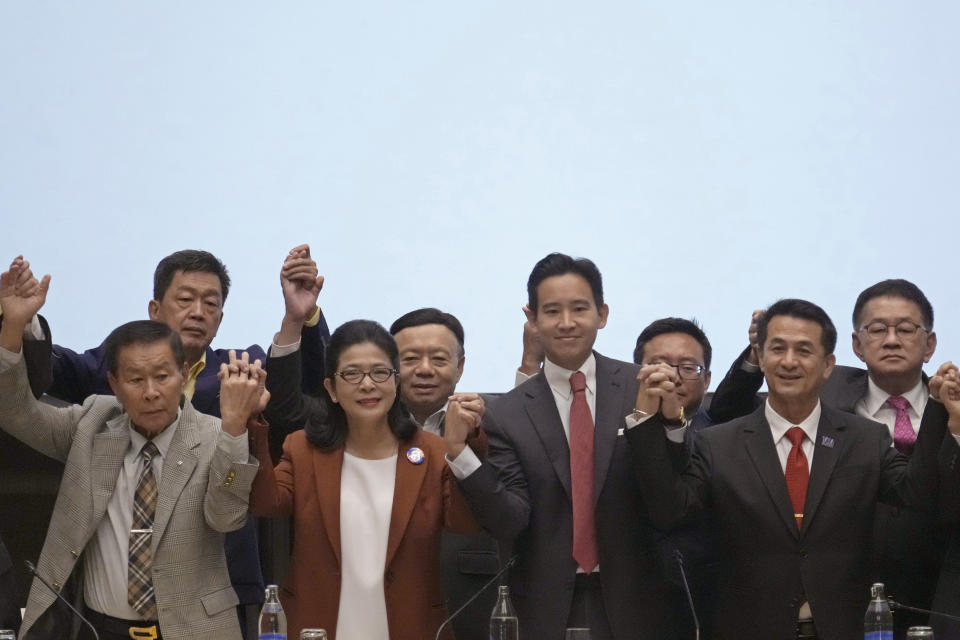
[356, 376]
[686, 370]
[905, 330]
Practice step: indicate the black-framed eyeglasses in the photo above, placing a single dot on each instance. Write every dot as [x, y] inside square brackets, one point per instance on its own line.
[687, 370]
[905, 330]
[356, 376]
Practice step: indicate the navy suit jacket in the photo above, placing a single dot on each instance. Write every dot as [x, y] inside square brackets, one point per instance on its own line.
[521, 493]
[75, 376]
[9, 605]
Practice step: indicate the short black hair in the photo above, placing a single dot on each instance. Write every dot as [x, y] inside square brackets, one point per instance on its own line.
[141, 332]
[330, 431]
[894, 288]
[188, 260]
[429, 315]
[558, 264]
[673, 325]
[804, 310]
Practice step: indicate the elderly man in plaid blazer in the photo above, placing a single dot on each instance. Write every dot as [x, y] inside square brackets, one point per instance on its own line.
[149, 488]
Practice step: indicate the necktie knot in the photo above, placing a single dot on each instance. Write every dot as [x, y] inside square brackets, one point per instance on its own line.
[795, 435]
[148, 451]
[898, 402]
[578, 381]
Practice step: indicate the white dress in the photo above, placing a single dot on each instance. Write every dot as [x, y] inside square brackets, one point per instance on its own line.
[366, 500]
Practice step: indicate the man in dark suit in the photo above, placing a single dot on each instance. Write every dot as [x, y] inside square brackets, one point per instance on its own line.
[190, 289]
[9, 606]
[432, 356]
[558, 479]
[893, 335]
[793, 487]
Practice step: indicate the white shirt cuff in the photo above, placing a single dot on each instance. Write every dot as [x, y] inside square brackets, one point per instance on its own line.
[33, 331]
[520, 378]
[280, 350]
[957, 438]
[673, 435]
[749, 367]
[464, 464]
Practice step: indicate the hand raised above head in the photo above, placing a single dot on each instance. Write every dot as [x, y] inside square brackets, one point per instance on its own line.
[532, 357]
[21, 294]
[300, 283]
[753, 335]
[242, 392]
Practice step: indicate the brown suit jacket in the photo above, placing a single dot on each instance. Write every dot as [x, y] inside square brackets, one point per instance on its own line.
[426, 499]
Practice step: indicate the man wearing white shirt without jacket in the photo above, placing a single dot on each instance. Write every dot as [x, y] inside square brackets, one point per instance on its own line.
[558, 479]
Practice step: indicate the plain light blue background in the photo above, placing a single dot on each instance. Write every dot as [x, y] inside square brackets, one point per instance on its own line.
[710, 157]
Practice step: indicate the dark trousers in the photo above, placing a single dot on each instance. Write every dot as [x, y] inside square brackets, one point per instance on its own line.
[587, 610]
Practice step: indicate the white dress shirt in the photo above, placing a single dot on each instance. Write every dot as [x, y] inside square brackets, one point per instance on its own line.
[873, 405]
[779, 427]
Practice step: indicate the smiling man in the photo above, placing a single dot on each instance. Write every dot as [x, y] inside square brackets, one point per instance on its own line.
[430, 343]
[150, 485]
[893, 336]
[793, 487]
[558, 480]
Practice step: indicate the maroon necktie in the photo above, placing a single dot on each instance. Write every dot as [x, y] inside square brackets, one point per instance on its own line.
[581, 475]
[904, 436]
[798, 474]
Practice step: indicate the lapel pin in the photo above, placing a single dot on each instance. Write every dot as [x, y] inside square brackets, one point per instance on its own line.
[179, 462]
[827, 441]
[415, 455]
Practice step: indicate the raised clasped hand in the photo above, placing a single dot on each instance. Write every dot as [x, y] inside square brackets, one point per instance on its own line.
[300, 282]
[21, 294]
[658, 390]
[243, 392]
[464, 415]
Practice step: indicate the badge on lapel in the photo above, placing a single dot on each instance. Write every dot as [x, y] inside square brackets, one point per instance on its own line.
[827, 441]
[416, 455]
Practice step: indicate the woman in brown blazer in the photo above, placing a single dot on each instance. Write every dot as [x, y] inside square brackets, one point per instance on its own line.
[357, 440]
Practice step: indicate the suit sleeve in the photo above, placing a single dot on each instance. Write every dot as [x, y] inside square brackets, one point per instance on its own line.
[457, 515]
[497, 492]
[671, 497]
[272, 493]
[289, 408]
[736, 395]
[313, 344]
[227, 499]
[42, 427]
[915, 482]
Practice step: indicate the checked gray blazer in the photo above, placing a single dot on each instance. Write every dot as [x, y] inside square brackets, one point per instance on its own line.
[202, 495]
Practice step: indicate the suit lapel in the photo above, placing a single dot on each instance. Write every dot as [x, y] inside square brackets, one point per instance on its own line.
[109, 448]
[825, 458]
[542, 411]
[607, 421]
[759, 444]
[178, 466]
[406, 491]
[327, 466]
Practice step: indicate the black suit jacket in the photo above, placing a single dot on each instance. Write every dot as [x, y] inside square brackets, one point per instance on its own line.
[522, 493]
[908, 546]
[9, 604]
[768, 566]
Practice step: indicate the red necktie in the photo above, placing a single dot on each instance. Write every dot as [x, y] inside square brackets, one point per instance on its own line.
[904, 436]
[581, 475]
[798, 474]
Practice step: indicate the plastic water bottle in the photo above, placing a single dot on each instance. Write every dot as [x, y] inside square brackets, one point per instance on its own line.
[503, 620]
[273, 622]
[878, 623]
